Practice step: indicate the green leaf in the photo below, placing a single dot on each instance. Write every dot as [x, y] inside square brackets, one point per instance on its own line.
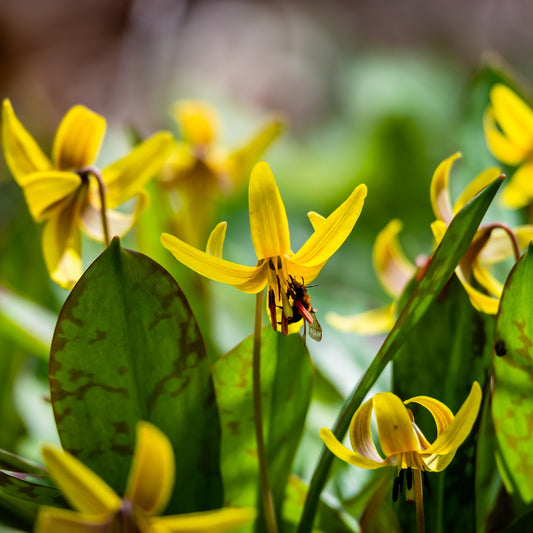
[512, 409]
[453, 246]
[286, 381]
[127, 348]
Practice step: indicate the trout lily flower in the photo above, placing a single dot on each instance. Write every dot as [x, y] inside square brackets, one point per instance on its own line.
[148, 490]
[508, 125]
[492, 243]
[285, 272]
[401, 441]
[394, 272]
[61, 191]
[200, 168]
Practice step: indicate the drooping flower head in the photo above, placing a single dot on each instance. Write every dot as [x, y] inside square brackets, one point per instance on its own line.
[402, 443]
[148, 490]
[283, 271]
[508, 125]
[64, 193]
[201, 168]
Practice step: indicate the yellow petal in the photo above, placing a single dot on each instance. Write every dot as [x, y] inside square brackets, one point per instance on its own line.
[151, 476]
[519, 189]
[486, 279]
[61, 242]
[372, 322]
[440, 412]
[361, 434]
[118, 223]
[197, 121]
[81, 486]
[55, 520]
[439, 190]
[23, 155]
[459, 428]
[475, 186]
[500, 247]
[242, 160]
[353, 458]
[215, 243]
[482, 302]
[513, 115]
[395, 429]
[268, 219]
[328, 238]
[393, 269]
[126, 177]
[245, 278]
[78, 139]
[502, 149]
[219, 521]
[44, 191]
[316, 219]
[438, 228]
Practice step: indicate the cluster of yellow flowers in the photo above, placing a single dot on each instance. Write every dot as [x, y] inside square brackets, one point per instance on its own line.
[68, 192]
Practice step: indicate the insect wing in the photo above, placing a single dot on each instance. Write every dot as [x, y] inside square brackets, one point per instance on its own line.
[315, 330]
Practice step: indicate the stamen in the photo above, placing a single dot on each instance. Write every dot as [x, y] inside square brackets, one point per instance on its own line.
[271, 264]
[280, 264]
[396, 488]
[272, 308]
[409, 478]
[401, 478]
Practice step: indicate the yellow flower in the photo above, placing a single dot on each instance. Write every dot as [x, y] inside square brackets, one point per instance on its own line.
[148, 490]
[508, 125]
[394, 272]
[277, 266]
[61, 192]
[491, 244]
[200, 168]
[401, 441]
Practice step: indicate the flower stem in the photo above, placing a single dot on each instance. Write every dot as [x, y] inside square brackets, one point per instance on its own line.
[91, 169]
[419, 501]
[266, 494]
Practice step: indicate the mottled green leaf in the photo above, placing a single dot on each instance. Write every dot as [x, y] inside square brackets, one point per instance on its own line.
[451, 249]
[512, 408]
[127, 348]
[286, 379]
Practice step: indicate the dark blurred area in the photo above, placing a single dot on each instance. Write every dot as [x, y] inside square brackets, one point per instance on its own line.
[129, 58]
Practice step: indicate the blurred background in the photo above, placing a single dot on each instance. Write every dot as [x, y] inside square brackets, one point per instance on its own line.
[373, 92]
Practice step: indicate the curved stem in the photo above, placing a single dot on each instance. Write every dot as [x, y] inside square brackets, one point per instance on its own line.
[512, 237]
[266, 493]
[91, 169]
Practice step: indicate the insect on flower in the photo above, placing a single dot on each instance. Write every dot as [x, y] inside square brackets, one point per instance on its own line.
[302, 308]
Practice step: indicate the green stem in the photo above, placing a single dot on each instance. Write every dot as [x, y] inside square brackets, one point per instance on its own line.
[91, 169]
[266, 493]
[419, 501]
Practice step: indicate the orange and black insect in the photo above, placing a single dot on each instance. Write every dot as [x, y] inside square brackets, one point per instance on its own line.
[302, 308]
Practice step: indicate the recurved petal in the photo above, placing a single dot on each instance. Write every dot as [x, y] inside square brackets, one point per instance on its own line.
[439, 190]
[45, 191]
[440, 412]
[330, 235]
[513, 115]
[502, 149]
[127, 176]
[475, 186]
[395, 429]
[81, 486]
[392, 267]
[353, 458]
[459, 428]
[316, 219]
[78, 139]
[197, 121]
[61, 242]
[243, 159]
[268, 219]
[215, 243]
[486, 279]
[219, 520]
[55, 520]
[372, 322]
[23, 155]
[519, 189]
[482, 302]
[361, 434]
[245, 278]
[151, 476]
